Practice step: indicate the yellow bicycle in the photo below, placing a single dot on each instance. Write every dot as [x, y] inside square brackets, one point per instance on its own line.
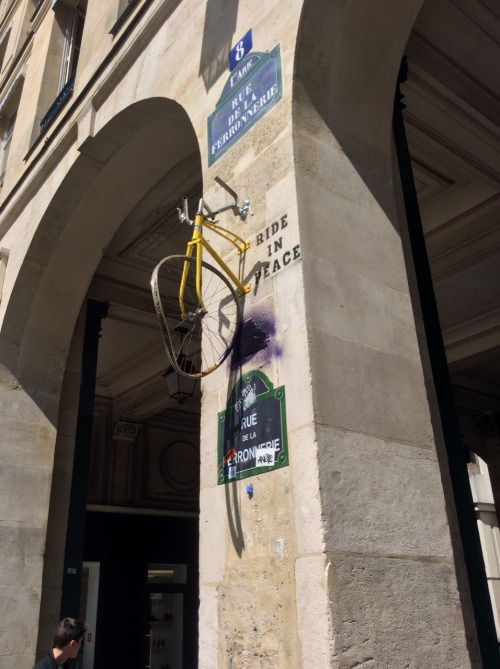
[194, 300]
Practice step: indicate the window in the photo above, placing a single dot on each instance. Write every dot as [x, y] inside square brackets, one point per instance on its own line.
[72, 46]
[4, 258]
[6, 140]
[4, 39]
[8, 114]
[125, 8]
[4, 8]
[69, 25]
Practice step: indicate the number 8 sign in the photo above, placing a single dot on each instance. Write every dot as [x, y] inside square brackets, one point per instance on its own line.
[240, 49]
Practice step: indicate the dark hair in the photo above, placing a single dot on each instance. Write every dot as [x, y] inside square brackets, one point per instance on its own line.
[69, 629]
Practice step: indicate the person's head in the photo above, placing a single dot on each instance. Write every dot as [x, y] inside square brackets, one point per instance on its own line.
[70, 631]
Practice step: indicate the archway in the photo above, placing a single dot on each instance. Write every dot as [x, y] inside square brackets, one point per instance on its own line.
[144, 461]
[348, 189]
[146, 147]
[452, 124]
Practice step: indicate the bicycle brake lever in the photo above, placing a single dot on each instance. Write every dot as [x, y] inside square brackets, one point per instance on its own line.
[183, 213]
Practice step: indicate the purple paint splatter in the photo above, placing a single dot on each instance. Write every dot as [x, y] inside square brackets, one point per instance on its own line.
[256, 335]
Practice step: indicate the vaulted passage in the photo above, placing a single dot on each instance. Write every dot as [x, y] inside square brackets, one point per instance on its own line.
[132, 540]
[452, 121]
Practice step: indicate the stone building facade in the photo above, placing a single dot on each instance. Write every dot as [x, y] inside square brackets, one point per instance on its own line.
[366, 137]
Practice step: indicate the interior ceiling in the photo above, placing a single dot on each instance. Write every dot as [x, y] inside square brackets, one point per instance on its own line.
[453, 127]
[452, 119]
[132, 358]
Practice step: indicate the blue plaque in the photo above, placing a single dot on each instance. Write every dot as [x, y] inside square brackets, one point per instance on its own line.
[240, 50]
[250, 91]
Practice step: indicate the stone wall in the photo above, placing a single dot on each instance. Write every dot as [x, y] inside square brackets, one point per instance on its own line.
[343, 558]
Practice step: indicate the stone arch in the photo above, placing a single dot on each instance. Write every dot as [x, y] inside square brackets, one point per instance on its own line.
[353, 245]
[115, 170]
[348, 58]
[105, 182]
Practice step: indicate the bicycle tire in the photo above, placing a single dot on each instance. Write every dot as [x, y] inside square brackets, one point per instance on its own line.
[198, 342]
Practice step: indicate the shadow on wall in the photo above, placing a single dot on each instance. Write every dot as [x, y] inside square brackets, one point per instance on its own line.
[219, 28]
[231, 489]
[346, 74]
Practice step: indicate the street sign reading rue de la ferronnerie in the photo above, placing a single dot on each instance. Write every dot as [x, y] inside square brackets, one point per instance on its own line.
[252, 88]
[252, 436]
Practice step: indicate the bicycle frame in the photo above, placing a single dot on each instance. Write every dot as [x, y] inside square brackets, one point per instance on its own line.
[208, 297]
[198, 243]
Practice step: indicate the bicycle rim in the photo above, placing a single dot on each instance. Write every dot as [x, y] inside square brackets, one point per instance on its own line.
[200, 338]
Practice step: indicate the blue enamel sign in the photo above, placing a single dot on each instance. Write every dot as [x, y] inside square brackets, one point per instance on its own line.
[250, 91]
[240, 50]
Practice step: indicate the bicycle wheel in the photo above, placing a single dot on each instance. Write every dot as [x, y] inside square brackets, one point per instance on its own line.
[199, 338]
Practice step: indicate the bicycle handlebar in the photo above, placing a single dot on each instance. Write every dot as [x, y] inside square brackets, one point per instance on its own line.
[184, 215]
[242, 211]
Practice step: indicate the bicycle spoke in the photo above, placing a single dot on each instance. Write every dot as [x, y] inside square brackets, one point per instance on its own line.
[206, 331]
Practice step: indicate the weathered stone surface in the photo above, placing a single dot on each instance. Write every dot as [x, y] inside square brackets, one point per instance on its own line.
[316, 640]
[381, 497]
[259, 570]
[18, 438]
[380, 625]
[212, 534]
[363, 482]
[294, 375]
[29, 483]
[257, 635]
[350, 306]
[369, 391]
[303, 452]
[208, 627]
[354, 234]
[23, 560]
[21, 638]
[402, 324]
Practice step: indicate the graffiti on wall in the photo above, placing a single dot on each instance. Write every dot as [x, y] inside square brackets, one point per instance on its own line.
[277, 249]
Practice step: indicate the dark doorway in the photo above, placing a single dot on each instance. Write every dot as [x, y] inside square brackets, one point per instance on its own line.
[125, 546]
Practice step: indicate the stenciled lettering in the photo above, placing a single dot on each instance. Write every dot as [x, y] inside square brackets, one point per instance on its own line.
[270, 231]
[278, 252]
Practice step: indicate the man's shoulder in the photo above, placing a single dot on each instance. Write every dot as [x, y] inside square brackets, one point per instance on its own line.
[47, 662]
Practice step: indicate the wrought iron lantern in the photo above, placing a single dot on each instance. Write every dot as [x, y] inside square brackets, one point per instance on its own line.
[180, 387]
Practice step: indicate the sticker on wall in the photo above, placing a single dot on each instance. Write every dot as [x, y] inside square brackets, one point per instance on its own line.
[252, 435]
[252, 88]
